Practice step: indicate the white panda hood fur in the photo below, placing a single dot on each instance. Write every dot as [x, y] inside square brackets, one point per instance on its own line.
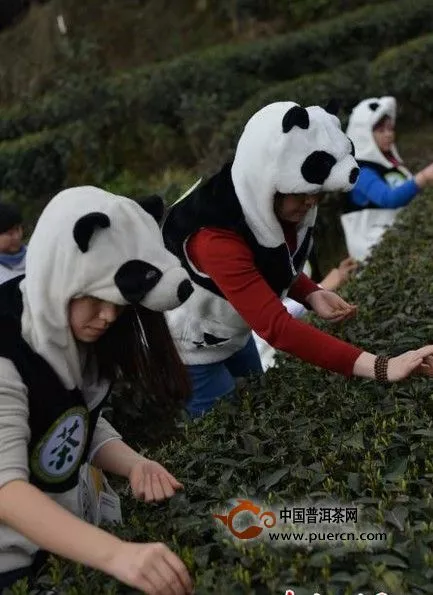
[289, 149]
[88, 242]
[363, 119]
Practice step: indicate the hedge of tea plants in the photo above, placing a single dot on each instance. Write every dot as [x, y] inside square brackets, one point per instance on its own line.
[231, 72]
[98, 149]
[305, 432]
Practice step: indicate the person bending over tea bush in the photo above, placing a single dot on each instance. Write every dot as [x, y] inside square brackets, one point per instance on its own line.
[244, 236]
[384, 185]
[88, 311]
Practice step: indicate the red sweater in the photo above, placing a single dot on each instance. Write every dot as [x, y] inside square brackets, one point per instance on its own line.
[226, 258]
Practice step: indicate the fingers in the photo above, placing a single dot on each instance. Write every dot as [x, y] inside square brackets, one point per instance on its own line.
[147, 586]
[426, 369]
[348, 265]
[159, 488]
[337, 302]
[413, 365]
[176, 484]
[156, 487]
[425, 351]
[167, 576]
[167, 486]
[147, 487]
[342, 314]
[179, 568]
[161, 580]
[151, 568]
[164, 486]
[426, 365]
[349, 261]
[402, 366]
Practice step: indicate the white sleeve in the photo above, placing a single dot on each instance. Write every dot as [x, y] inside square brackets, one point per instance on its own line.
[104, 432]
[296, 309]
[14, 428]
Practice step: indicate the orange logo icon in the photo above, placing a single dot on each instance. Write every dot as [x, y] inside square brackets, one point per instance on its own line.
[253, 530]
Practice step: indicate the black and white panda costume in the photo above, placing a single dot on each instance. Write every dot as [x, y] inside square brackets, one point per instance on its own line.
[87, 242]
[365, 225]
[284, 148]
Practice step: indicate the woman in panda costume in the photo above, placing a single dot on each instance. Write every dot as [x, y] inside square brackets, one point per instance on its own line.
[244, 236]
[384, 185]
[69, 328]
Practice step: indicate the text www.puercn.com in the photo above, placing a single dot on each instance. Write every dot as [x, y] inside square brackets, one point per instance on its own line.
[322, 536]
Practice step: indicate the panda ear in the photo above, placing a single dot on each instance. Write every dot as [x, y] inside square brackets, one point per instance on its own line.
[333, 106]
[154, 205]
[296, 116]
[85, 227]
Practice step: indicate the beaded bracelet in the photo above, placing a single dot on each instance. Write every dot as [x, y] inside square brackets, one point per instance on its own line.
[381, 368]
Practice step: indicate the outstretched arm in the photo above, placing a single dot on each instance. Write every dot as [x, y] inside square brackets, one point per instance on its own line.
[150, 567]
[226, 258]
[370, 187]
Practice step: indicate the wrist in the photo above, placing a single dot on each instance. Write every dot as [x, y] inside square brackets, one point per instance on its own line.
[364, 366]
[381, 368]
[315, 290]
[107, 552]
[116, 457]
[133, 462]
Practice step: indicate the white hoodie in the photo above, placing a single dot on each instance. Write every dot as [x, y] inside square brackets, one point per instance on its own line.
[364, 228]
[284, 148]
[69, 256]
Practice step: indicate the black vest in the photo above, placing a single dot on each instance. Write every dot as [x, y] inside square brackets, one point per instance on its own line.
[215, 204]
[350, 206]
[60, 423]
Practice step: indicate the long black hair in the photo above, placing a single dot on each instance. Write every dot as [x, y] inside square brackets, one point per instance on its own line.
[138, 349]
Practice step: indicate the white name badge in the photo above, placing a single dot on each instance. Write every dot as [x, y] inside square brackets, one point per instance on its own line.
[98, 502]
[109, 508]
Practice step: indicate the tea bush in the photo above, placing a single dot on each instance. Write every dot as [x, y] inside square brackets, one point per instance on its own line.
[305, 432]
[230, 72]
[386, 75]
[97, 149]
[389, 76]
[346, 83]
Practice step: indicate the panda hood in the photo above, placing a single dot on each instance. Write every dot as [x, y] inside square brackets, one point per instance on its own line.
[289, 149]
[363, 119]
[88, 242]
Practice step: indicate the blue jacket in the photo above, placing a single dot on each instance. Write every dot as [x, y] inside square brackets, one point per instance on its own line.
[373, 190]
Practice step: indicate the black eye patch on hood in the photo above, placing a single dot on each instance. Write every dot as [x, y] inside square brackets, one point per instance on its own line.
[317, 167]
[135, 279]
